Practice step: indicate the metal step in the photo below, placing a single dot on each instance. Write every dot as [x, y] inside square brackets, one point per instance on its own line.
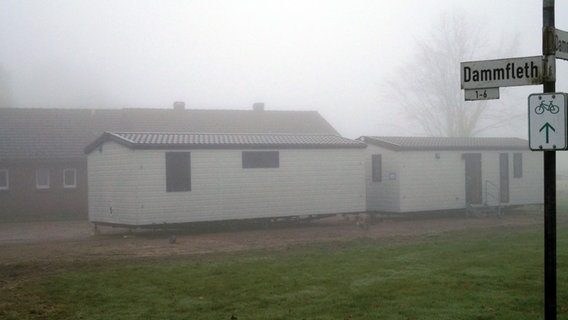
[483, 210]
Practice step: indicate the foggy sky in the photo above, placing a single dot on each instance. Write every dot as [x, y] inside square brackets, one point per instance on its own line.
[329, 56]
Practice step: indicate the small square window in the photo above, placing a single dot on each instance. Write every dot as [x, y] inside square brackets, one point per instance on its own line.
[42, 178]
[69, 178]
[261, 159]
[4, 180]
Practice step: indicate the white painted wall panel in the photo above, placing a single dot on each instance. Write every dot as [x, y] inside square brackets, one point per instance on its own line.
[529, 188]
[430, 183]
[419, 181]
[111, 191]
[307, 182]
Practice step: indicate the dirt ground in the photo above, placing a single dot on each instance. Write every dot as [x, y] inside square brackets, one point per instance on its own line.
[43, 243]
[34, 249]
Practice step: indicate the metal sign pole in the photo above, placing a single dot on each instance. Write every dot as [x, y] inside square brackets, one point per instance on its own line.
[548, 49]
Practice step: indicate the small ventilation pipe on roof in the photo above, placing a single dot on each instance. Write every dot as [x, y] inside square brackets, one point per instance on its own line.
[179, 105]
[258, 106]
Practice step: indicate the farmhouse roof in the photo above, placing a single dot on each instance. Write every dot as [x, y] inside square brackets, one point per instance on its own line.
[446, 143]
[41, 133]
[162, 140]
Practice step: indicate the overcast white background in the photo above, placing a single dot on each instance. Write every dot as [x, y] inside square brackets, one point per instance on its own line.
[330, 56]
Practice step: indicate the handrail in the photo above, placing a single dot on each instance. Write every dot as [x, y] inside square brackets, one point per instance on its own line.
[492, 199]
[492, 192]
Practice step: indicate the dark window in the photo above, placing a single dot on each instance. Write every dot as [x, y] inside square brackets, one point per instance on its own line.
[377, 167]
[178, 171]
[261, 159]
[69, 178]
[4, 180]
[42, 178]
[517, 165]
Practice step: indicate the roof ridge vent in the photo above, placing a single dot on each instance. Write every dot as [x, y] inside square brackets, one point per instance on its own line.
[258, 106]
[179, 105]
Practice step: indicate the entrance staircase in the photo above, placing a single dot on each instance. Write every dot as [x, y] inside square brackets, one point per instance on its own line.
[491, 206]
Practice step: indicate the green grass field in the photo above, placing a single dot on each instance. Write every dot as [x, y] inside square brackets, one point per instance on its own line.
[486, 274]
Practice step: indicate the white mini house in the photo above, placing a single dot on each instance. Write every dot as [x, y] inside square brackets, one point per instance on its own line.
[411, 174]
[141, 179]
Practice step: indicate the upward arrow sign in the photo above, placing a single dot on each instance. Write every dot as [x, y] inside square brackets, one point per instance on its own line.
[547, 130]
[547, 127]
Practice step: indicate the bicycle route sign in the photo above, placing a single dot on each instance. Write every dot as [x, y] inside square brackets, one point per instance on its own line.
[547, 121]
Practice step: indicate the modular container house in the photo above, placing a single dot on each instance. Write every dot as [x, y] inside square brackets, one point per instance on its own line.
[146, 179]
[414, 174]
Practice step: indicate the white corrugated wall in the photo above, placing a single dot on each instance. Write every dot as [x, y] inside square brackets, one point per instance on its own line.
[422, 181]
[308, 181]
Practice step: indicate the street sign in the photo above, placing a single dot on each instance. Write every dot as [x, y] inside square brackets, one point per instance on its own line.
[561, 43]
[547, 121]
[503, 72]
[481, 94]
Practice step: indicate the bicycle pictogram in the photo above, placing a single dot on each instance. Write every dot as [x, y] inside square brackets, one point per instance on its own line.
[552, 108]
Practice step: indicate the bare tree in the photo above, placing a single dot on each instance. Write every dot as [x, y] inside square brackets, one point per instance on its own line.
[430, 83]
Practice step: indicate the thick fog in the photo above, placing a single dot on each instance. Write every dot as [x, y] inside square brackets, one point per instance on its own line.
[331, 56]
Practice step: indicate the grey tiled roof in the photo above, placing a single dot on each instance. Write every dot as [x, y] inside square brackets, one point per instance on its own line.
[445, 143]
[163, 140]
[38, 133]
